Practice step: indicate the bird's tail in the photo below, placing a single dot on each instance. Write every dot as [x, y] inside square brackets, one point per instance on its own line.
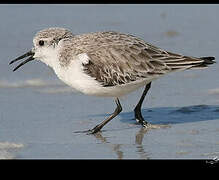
[186, 62]
[206, 62]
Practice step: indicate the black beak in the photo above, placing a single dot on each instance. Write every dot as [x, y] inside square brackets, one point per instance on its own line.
[30, 53]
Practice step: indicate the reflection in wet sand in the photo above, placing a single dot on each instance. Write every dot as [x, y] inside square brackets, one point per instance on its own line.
[138, 141]
[114, 147]
[140, 135]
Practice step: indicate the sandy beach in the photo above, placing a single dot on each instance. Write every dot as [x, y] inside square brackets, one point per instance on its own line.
[39, 114]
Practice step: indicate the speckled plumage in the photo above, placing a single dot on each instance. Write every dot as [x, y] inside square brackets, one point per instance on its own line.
[108, 64]
[117, 58]
[55, 33]
[114, 58]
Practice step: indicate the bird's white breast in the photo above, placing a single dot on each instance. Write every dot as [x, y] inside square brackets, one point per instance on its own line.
[74, 76]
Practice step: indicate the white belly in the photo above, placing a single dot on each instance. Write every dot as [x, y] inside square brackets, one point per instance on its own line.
[74, 76]
[88, 85]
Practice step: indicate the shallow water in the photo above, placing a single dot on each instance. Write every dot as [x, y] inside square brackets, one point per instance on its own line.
[39, 114]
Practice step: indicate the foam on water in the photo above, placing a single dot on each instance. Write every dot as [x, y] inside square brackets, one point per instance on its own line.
[7, 149]
[26, 83]
[56, 90]
[39, 85]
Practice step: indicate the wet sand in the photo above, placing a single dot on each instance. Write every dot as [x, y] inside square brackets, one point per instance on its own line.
[39, 114]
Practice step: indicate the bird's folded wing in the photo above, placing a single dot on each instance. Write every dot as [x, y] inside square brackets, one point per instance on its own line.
[119, 64]
[116, 58]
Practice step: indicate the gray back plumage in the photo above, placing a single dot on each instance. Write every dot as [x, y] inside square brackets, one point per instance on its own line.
[117, 58]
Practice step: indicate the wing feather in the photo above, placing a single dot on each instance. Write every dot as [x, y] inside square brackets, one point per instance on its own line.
[116, 58]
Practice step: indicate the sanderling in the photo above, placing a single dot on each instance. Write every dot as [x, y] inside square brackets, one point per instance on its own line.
[109, 64]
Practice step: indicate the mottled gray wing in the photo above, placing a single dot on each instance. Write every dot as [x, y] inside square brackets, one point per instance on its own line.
[121, 64]
[115, 64]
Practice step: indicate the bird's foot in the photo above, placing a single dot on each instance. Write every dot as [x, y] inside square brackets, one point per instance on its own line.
[91, 131]
[142, 122]
[139, 119]
[148, 125]
[94, 130]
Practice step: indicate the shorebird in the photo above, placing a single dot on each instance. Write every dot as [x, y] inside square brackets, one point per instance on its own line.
[109, 64]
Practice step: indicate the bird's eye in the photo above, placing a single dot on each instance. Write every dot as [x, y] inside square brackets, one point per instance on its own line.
[41, 42]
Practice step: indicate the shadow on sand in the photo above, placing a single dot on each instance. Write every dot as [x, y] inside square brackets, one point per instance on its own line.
[171, 115]
[174, 115]
[161, 116]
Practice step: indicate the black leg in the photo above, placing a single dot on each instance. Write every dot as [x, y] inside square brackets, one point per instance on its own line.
[100, 126]
[138, 115]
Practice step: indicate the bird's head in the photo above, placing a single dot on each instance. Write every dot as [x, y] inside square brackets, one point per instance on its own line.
[45, 44]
